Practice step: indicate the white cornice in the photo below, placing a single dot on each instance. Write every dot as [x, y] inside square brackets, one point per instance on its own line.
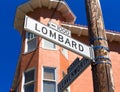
[23, 9]
[83, 31]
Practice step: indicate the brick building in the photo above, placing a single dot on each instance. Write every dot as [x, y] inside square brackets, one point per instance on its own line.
[42, 64]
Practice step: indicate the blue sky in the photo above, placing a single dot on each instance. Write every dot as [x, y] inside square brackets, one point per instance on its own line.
[10, 39]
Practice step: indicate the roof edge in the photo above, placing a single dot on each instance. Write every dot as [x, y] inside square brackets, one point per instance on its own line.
[29, 6]
[76, 29]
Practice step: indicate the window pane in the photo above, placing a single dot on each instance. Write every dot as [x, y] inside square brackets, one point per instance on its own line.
[48, 44]
[29, 76]
[29, 87]
[30, 36]
[49, 73]
[31, 42]
[31, 45]
[49, 86]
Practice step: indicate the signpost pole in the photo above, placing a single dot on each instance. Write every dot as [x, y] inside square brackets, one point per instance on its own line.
[101, 69]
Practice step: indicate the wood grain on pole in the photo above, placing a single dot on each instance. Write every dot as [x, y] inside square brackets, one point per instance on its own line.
[101, 69]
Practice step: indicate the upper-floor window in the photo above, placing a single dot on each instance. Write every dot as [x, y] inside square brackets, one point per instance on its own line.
[31, 42]
[28, 81]
[49, 80]
[48, 45]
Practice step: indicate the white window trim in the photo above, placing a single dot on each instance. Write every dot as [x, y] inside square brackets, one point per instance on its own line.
[23, 79]
[66, 56]
[48, 48]
[68, 89]
[49, 79]
[26, 44]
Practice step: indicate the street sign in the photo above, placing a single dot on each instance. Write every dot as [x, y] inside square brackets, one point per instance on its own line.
[73, 74]
[71, 67]
[52, 35]
[60, 29]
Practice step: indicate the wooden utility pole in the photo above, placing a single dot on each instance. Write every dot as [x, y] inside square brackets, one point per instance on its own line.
[101, 68]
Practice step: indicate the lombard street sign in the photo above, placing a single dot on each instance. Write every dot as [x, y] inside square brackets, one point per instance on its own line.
[59, 38]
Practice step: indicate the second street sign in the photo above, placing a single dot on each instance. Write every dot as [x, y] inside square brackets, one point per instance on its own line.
[52, 35]
[73, 74]
[72, 66]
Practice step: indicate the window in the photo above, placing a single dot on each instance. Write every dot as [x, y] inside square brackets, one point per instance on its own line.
[49, 79]
[48, 45]
[65, 52]
[17, 89]
[30, 42]
[29, 81]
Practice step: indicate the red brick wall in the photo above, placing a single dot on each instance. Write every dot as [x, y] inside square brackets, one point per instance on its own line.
[115, 58]
[54, 58]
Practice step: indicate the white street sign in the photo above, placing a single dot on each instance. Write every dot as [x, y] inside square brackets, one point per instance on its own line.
[60, 29]
[73, 74]
[52, 35]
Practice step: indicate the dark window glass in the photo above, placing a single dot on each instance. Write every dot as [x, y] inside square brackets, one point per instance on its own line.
[29, 87]
[29, 76]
